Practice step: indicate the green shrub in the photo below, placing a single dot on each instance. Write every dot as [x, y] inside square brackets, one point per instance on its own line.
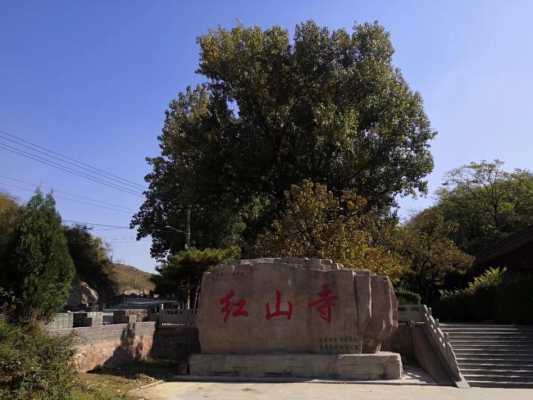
[453, 306]
[492, 296]
[514, 301]
[34, 365]
[491, 278]
[407, 297]
[181, 274]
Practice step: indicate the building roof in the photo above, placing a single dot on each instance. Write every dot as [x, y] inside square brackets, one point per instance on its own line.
[506, 246]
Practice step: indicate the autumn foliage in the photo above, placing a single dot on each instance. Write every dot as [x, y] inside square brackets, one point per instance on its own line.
[317, 223]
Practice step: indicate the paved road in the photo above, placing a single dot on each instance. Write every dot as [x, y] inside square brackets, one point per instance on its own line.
[323, 391]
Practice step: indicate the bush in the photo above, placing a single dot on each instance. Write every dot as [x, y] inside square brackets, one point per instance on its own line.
[34, 365]
[407, 297]
[492, 296]
[490, 279]
[181, 274]
[514, 301]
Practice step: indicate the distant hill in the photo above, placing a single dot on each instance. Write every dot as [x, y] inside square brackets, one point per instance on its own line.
[131, 279]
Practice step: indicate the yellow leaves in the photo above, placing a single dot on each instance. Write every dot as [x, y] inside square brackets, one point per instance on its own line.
[316, 223]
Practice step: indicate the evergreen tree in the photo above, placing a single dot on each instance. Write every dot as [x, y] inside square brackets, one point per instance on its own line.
[39, 269]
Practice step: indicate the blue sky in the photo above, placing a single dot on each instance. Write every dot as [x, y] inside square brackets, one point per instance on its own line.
[92, 79]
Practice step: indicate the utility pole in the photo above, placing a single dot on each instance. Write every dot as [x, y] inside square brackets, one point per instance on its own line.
[188, 229]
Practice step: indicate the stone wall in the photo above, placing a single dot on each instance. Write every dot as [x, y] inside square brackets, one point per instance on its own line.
[112, 345]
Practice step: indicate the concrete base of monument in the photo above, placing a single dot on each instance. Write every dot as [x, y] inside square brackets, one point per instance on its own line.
[382, 365]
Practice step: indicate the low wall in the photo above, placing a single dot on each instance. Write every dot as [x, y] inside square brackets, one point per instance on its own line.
[420, 340]
[112, 345]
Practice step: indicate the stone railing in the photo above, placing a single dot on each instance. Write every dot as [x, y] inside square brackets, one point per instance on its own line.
[411, 312]
[440, 341]
[420, 315]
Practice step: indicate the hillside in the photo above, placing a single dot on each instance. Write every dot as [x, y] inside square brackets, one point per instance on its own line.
[129, 278]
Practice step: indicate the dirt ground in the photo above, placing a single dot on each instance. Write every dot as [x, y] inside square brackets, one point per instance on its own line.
[322, 391]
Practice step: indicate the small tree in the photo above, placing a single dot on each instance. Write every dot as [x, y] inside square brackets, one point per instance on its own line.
[424, 243]
[319, 224]
[9, 219]
[181, 274]
[39, 269]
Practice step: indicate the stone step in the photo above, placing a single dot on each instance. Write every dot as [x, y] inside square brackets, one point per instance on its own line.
[496, 371]
[491, 366]
[499, 377]
[500, 384]
[477, 332]
[510, 358]
[481, 325]
[465, 352]
[492, 342]
[486, 329]
[522, 347]
[491, 355]
[505, 342]
[490, 338]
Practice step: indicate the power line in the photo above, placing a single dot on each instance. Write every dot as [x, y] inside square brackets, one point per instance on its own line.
[68, 170]
[68, 196]
[69, 160]
[33, 184]
[71, 221]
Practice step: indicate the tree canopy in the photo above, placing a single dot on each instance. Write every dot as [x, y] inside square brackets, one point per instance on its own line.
[425, 244]
[39, 269]
[327, 106]
[486, 204]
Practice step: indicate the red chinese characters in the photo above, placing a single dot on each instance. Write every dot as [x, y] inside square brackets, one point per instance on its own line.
[324, 303]
[235, 309]
[278, 312]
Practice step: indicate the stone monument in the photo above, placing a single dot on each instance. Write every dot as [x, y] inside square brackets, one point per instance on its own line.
[295, 317]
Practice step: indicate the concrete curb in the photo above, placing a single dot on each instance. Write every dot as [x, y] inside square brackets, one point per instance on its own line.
[237, 379]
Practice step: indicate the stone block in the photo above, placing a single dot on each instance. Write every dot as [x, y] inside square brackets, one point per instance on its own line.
[382, 365]
[294, 305]
[95, 318]
[61, 321]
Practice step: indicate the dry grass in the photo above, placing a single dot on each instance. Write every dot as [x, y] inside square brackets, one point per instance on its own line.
[129, 278]
[115, 383]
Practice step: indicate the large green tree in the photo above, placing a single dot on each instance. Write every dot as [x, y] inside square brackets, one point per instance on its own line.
[39, 269]
[327, 106]
[486, 203]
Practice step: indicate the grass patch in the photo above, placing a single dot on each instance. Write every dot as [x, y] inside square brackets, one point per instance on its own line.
[115, 383]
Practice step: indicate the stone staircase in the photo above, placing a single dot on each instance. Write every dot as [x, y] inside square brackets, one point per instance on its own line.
[493, 355]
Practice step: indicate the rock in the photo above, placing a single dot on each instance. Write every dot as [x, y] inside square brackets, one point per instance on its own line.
[81, 294]
[294, 305]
